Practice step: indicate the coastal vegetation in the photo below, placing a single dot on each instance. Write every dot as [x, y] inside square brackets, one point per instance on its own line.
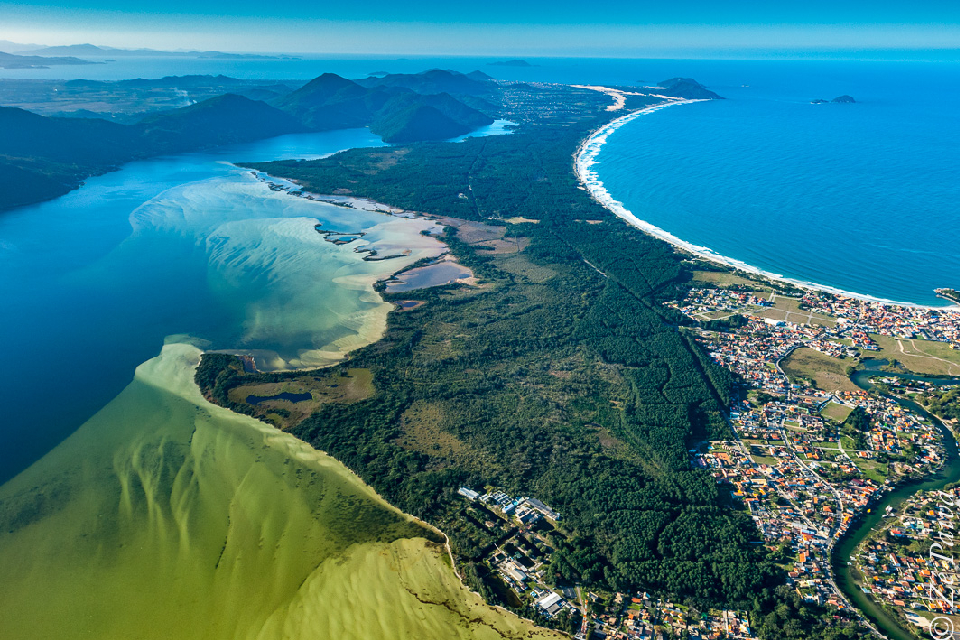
[281, 400]
[563, 376]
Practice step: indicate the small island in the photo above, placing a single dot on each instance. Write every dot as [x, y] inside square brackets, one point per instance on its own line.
[844, 99]
[511, 63]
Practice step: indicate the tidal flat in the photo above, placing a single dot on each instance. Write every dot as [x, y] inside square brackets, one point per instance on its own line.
[166, 516]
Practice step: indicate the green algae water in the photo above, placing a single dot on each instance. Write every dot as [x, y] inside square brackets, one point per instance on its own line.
[163, 516]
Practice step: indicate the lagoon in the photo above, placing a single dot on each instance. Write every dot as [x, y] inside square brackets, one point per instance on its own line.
[96, 280]
[132, 507]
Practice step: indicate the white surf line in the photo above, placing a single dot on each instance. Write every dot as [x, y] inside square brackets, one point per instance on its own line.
[586, 158]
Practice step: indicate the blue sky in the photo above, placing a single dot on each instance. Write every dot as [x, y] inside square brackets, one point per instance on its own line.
[492, 27]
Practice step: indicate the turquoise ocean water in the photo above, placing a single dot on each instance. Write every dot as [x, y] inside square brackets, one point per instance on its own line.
[860, 197]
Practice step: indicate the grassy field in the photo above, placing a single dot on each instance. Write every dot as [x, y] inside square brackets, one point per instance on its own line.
[788, 310]
[835, 412]
[356, 385]
[767, 460]
[920, 356]
[726, 279]
[829, 374]
[167, 517]
[872, 469]
[848, 445]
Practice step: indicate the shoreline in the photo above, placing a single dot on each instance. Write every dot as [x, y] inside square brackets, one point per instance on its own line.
[584, 161]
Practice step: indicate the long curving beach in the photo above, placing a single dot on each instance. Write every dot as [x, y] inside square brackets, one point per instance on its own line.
[586, 161]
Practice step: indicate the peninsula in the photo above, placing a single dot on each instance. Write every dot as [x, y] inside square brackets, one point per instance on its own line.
[571, 388]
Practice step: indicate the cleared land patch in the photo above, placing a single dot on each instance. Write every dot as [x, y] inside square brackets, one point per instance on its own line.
[827, 373]
[920, 356]
[473, 232]
[836, 412]
[788, 310]
[329, 387]
[503, 246]
[726, 279]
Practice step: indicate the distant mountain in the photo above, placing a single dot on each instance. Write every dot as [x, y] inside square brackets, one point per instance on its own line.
[18, 47]
[511, 63]
[182, 82]
[265, 93]
[63, 140]
[13, 61]
[332, 102]
[479, 76]
[687, 88]
[406, 118]
[220, 55]
[391, 110]
[44, 157]
[73, 50]
[432, 81]
[94, 51]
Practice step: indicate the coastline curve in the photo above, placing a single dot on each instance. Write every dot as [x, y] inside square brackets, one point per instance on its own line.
[585, 160]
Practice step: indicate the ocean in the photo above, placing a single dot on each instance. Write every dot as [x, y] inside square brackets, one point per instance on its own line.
[863, 198]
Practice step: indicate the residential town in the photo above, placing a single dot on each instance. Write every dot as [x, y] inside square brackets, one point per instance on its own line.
[810, 456]
[897, 565]
[808, 459]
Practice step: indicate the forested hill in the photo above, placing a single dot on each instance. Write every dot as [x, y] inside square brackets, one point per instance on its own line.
[43, 157]
[399, 108]
[687, 88]
[435, 81]
[563, 377]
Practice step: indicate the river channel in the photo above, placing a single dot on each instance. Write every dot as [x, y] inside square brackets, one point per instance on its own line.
[950, 473]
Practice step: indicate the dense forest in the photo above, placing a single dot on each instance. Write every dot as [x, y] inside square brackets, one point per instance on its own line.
[562, 377]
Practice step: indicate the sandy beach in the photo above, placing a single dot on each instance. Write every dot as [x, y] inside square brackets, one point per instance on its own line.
[584, 162]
